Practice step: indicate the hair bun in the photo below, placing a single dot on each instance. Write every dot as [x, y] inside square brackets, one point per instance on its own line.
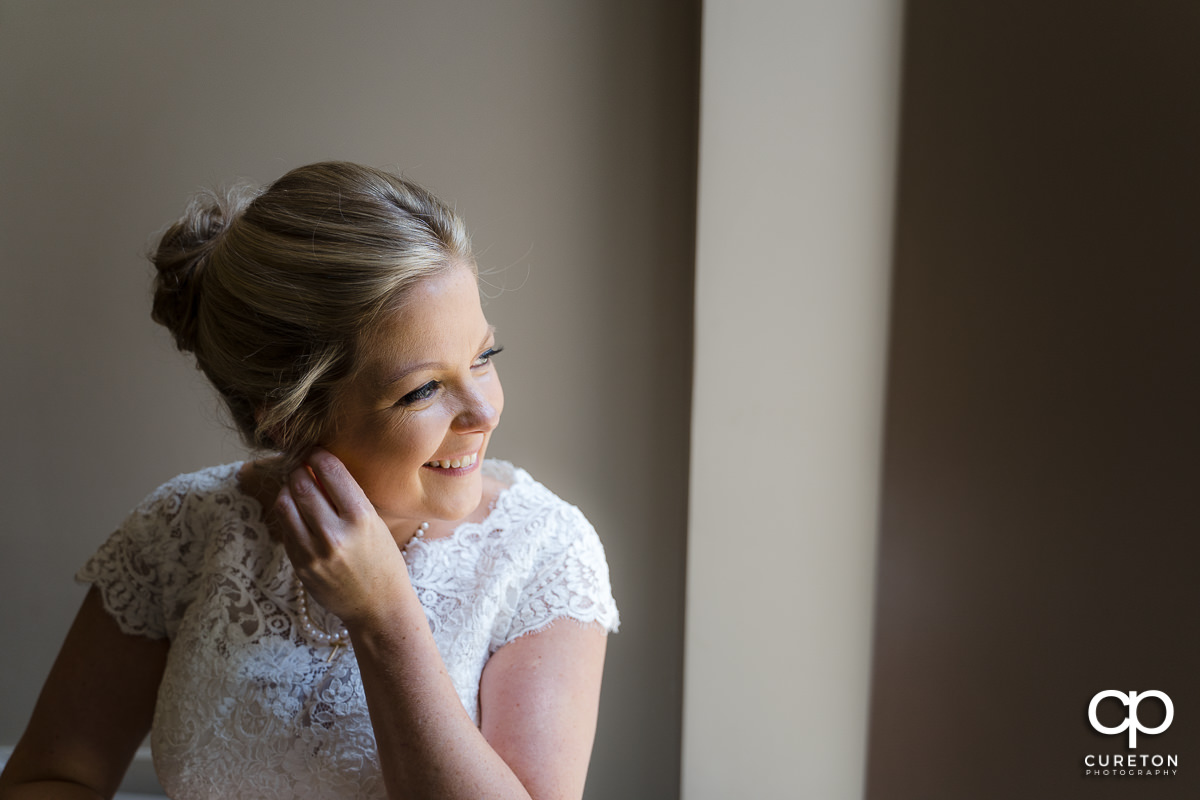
[182, 257]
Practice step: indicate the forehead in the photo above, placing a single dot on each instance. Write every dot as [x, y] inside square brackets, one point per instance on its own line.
[440, 319]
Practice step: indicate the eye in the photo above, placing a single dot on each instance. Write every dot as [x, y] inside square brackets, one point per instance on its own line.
[420, 393]
[487, 356]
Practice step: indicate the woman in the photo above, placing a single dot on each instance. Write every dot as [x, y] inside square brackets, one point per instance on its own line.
[371, 609]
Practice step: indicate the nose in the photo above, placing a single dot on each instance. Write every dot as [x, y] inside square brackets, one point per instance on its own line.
[477, 413]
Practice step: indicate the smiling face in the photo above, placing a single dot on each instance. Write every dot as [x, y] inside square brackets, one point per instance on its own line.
[414, 423]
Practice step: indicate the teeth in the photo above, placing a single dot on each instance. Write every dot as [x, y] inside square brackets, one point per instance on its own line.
[454, 463]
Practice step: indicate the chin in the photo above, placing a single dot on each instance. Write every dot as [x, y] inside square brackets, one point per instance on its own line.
[459, 505]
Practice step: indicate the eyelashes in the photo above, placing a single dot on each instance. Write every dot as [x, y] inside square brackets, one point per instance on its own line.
[428, 390]
[487, 355]
[420, 393]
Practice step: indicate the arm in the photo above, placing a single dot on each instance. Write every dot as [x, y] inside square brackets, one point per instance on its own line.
[539, 698]
[92, 714]
[538, 701]
[538, 694]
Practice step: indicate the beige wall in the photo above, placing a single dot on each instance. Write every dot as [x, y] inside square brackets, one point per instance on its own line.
[564, 132]
[796, 152]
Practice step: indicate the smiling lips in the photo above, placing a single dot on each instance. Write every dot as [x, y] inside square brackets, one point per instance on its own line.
[454, 463]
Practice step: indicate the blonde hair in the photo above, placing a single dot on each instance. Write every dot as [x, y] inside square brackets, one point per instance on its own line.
[274, 292]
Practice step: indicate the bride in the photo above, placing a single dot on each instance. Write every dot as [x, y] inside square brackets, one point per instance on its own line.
[372, 608]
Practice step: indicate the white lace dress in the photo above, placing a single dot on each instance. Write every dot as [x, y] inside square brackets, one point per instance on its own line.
[248, 707]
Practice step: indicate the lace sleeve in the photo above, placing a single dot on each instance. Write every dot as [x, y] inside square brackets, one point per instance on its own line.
[132, 567]
[569, 578]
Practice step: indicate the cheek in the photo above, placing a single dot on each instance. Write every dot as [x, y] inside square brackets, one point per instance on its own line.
[419, 442]
[378, 457]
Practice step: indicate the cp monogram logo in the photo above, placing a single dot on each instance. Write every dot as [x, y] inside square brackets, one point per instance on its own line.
[1131, 720]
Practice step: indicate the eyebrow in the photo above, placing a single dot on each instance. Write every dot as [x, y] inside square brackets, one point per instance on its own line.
[398, 375]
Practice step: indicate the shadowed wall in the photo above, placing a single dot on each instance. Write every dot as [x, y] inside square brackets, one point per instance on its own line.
[1038, 526]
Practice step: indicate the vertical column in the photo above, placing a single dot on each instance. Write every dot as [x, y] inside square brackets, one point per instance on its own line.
[797, 141]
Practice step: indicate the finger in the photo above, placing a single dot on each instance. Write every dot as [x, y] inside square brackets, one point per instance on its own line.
[314, 512]
[292, 529]
[343, 491]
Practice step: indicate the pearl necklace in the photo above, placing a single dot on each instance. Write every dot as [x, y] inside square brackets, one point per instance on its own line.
[341, 636]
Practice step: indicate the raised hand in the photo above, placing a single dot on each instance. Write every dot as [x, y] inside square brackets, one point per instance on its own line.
[341, 549]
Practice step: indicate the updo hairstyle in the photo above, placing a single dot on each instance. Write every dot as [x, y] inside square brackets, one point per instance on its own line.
[275, 292]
